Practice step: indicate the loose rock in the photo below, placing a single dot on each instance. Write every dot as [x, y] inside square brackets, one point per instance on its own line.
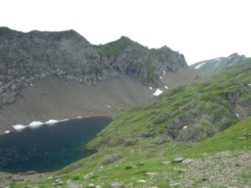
[72, 184]
[178, 160]
[187, 161]
[91, 185]
[151, 173]
[116, 185]
[58, 182]
[141, 181]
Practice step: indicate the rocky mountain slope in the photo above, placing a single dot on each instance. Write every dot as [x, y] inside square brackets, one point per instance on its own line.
[217, 65]
[190, 112]
[35, 55]
[41, 72]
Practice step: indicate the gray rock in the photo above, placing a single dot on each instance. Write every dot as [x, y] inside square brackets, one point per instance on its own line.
[161, 119]
[161, 140]
[91, 185]
[29, 173]
[151, 173]
[187, 161]
[71, 184]
[178, 160]
[110, 159]
[116, 185]
[141, 181]
[58, 182]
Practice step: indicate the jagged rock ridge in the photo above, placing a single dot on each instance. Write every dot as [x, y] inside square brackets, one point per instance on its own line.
[130, 58]
[25, 57]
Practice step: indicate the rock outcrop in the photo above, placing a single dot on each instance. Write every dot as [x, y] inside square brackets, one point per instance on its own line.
[130, 58]
[26, 57]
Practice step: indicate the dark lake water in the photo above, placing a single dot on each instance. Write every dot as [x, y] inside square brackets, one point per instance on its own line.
[48, 147]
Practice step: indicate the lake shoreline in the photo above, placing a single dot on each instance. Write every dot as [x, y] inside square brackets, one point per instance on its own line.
[54, 151]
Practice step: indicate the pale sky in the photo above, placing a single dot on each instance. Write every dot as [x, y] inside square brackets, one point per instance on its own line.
[199, 29]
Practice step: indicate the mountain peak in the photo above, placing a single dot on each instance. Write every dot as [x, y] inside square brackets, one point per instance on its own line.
[233, 55]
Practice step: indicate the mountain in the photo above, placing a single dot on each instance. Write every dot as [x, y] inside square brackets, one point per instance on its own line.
[130, 58]
[195, 135]
[41, 72]
[217, 65]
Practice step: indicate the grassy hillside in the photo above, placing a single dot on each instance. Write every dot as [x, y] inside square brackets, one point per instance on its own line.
[205, 108]
[220, 161]
[141, 142]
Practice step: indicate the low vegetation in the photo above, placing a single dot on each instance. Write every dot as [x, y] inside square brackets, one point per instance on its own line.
[3, 30]
[113, 48]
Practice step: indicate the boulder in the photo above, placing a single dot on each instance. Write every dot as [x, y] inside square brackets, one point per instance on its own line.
[187, 161]
[178, 160]
[141, 181]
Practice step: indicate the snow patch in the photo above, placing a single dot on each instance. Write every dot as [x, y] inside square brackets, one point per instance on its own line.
[249, 84]
[79, 117]
[237, 115]
[36, 124]
[184, 127]
[108, 106]
[150, 88]
[198, 66]
[166, 87]
[164, 72]
[51, 122]
[157, 92]
[64, 120]
[160, 77]
[31, 84]
[18, 127]
[6, 132]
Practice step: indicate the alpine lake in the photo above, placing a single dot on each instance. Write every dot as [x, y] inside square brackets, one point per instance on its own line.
[50, 146]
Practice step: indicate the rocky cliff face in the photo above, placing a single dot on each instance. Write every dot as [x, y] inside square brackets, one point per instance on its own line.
[130, 58]
[26, 57]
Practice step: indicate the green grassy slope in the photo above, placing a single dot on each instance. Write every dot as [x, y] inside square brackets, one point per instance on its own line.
[228, 150]
[206, 108]
[141, 138]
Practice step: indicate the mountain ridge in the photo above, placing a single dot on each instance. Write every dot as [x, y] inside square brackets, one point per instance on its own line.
[35, 55]
[216, 65]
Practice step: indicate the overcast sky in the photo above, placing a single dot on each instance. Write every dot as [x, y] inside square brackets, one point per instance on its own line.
[199, 29]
